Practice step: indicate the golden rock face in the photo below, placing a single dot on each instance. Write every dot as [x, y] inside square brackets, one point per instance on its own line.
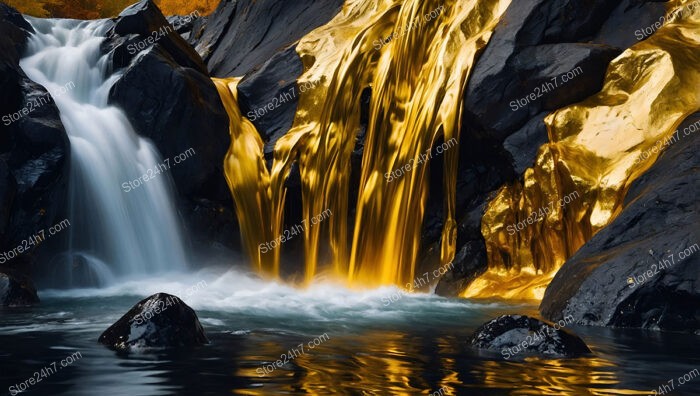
[596, 149]
[415, 56]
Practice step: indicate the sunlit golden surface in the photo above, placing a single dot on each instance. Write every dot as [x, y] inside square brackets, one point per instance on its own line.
[523, 283]
[593, 150]
[417, 80]
[554, 377]
[417, 96]
[391, 362]
[248, 178]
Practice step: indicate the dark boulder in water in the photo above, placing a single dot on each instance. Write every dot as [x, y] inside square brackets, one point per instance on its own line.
[518, 336]
[159, 321]
[16, 290]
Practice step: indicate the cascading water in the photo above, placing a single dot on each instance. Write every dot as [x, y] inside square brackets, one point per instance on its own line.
[417, 79]
[113, 233]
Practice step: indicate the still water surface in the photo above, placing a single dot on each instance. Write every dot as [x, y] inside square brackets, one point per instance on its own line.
[364, 346]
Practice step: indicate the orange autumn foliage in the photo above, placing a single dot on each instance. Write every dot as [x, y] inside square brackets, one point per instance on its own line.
[93, 9]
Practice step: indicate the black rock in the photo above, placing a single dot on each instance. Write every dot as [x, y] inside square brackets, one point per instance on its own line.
[184, 24]
[243, 34]
[534, 44]
[469, 264]
[179, 109]
[159, 321]
[518, 337]
[631, 273]
[626, 24]
[34, 147]
[144, 21]
[264, 87]
[524, 144]
[16, 290]
[169, 98]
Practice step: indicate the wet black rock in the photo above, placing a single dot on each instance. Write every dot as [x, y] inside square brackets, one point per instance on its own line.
[268, 96]
[642, 270]
[16, 290]
[518, 337]
[469, 264]
[629, 22]
[159, 321]
[169, 98]
[34, 147]
[243, 34]
[523, 70]
[144, 25]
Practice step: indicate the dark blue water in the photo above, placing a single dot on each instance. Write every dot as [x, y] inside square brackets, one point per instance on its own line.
[363, 346]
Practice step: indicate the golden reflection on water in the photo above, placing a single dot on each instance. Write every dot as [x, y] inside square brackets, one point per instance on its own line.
[395, 363]
[554, 377]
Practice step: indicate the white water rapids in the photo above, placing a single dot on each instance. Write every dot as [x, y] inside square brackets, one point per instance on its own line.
[113, 234]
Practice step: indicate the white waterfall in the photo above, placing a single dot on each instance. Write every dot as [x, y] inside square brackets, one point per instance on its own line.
[114, 234]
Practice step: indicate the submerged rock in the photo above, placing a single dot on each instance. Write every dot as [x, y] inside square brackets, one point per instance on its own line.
[517, 336]
[643, 269]
[16, 290]
[159, 321]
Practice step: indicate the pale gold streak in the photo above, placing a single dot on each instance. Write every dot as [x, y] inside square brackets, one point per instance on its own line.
[593, 149]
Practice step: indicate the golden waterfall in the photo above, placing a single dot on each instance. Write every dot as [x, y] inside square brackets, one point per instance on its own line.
[417, 80]
[593, 153]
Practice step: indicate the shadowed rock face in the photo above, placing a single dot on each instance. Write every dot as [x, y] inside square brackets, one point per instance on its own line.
[535, 43]
[517, 337]
[159, 321]
[16, 290]
[243, 34]
[145, 20]
[642, 270]
[169, 98]
[257, 40]
[34, 147]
